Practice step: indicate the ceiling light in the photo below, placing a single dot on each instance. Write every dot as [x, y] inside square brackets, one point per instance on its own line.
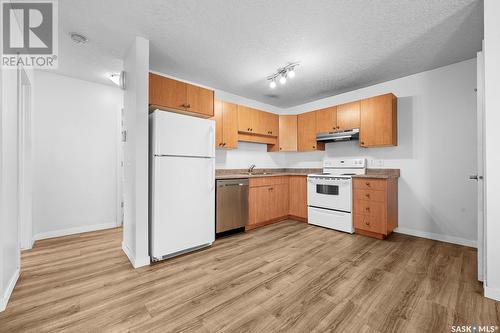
[78, 38]
[282, 74]
[283, 79]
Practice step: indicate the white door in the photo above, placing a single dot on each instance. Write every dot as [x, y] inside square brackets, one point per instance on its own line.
[183, 206]
[180, 135]
[479, 177]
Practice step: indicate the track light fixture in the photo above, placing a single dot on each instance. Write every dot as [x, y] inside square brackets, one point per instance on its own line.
[282, 74]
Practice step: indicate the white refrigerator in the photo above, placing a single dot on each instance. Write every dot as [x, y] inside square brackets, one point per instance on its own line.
[182, 184]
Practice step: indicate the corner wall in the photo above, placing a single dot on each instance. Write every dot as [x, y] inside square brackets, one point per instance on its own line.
[76, 153]
[136, 121]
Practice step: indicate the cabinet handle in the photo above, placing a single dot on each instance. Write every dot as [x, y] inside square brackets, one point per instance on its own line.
[224, 144]
[281, 148]
[362, 143]
[367, 209]
[367, 195]
[188, 105]
[314, 147]
[248, 129]
[367, 222]
[368, 184]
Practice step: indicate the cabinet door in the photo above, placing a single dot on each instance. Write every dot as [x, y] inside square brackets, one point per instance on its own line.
[247, 119]
[298, 196]
[219, 127]
[230, 124]
[272, 124]
[200, 100]
[259, 204]
[167, 93]
[306, 132]
[280, 201]
[287, 139]
[326, 119]
[379, 121]
[348, 116]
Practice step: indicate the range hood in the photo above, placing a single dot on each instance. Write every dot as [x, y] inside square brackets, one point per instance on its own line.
[347, 135]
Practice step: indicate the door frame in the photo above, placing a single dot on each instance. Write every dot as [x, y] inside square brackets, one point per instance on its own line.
[481, 226]
[25, 158]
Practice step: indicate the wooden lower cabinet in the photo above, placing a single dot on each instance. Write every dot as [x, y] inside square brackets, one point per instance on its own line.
[298, 197]
[274, 199]
[375, 206]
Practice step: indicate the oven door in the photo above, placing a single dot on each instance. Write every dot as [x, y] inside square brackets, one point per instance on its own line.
[324, 192]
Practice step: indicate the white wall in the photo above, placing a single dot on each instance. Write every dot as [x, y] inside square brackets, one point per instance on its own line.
[436, 151]
[247, 154]
[76, 152]
[135, 117]
[9, 189]
[492, 141]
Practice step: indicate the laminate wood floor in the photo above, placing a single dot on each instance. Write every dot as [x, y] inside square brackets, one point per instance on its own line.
[287, 277]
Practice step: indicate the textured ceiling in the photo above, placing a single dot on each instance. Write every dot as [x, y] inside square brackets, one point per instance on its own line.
[234, 45]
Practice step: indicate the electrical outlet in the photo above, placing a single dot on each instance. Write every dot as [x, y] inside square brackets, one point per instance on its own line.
[376, 163]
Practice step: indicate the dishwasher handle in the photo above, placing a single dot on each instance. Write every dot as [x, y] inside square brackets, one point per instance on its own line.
[232, 182]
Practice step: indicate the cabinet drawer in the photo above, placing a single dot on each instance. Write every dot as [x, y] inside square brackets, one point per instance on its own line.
[370, 184]
[369, 223]
[268, 181]
[370, 208]
[370, 195]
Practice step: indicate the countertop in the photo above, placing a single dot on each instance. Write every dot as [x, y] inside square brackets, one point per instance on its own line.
[380, 174]
[243, 173]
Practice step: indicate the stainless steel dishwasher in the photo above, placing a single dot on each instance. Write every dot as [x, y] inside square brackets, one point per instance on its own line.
[231, 204]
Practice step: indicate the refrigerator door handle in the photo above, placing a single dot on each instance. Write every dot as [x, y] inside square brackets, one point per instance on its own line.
[211, 184]
[211, 142]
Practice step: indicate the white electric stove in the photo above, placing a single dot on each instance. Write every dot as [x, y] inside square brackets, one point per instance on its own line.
[329, 195]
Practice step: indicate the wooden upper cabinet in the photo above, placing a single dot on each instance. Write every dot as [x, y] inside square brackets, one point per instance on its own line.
[348, 116]
[200, 100]
[378, 126]
[219, 130]
[247, 119]
[306, 132]
[270, 123]
[226, 124]
[230, 124]
[253, 121]
[168, 93]
[173, 95]
[326, 120]
[287, 137]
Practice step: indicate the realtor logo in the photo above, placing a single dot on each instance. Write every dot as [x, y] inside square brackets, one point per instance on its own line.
[29, 33]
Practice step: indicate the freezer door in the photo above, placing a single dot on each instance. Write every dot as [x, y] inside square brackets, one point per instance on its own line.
[180, 135]
[183, 204]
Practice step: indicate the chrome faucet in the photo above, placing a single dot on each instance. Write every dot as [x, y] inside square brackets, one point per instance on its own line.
[250, 169]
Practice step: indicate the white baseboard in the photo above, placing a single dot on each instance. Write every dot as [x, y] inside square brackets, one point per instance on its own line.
[6, 296]
[72, 231]
[492, 293]
[145, 261]
[438, 237]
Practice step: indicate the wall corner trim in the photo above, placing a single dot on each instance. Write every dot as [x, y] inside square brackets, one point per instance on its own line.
[10, 288]
[437, 237]
[136, 263]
